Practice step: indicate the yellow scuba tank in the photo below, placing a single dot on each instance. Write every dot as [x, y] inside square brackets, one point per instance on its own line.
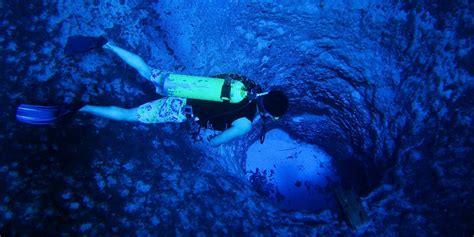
[204, 88]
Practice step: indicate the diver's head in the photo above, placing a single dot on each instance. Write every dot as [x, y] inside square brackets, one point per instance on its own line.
[275, 103]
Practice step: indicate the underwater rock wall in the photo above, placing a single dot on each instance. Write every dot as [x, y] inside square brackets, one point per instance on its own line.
[384, 88]
[328, 74]
[433, 168]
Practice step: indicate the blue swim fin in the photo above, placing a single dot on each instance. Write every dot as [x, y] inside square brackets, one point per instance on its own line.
[81, 44]
[42, 115]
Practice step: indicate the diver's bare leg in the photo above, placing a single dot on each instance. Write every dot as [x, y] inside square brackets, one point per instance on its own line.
[112, 112]
[131, 59]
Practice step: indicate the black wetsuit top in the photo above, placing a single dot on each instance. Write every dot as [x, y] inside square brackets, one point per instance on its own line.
[218, 115]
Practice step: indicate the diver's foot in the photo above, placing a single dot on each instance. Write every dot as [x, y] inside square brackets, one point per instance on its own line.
[108, 45]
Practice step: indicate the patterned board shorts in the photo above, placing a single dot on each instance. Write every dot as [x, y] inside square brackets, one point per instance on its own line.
[164, 110]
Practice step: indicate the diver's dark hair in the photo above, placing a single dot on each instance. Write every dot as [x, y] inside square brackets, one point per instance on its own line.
[275, 103]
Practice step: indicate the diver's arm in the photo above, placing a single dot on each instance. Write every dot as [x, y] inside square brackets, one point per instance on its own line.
[239, 127]
[131, 59]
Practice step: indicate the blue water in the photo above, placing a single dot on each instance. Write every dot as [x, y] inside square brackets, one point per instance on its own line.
[295, 175]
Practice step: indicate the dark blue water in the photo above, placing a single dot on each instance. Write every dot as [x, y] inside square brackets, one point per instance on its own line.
[383, 89]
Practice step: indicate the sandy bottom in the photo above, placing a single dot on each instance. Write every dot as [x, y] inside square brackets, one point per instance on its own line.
[298, 171]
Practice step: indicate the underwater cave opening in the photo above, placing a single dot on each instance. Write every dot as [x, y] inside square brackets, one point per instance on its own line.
[293, 174]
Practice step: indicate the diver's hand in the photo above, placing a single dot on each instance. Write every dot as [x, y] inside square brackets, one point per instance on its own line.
[213, 140]
[210, 137]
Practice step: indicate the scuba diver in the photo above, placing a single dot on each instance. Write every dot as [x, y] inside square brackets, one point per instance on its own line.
[227, 103]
